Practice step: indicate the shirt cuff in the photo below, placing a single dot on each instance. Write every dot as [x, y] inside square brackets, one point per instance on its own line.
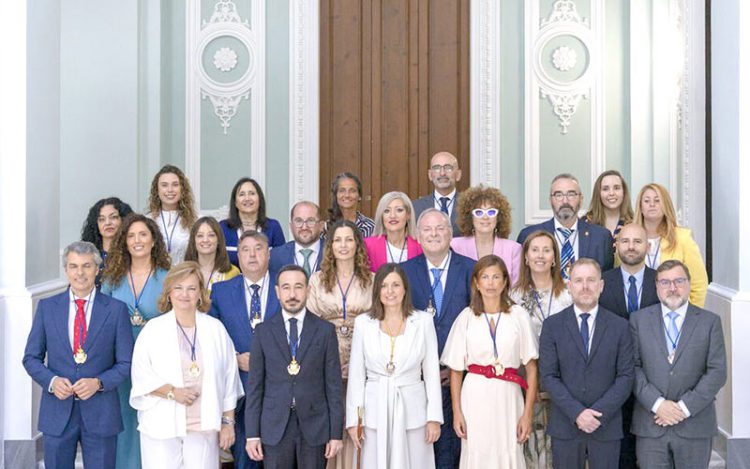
[684, 408]
[51, 383]
[253, 439]
[656, 405]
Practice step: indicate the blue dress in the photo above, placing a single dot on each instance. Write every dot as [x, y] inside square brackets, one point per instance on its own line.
[128, 441]
[272, 230]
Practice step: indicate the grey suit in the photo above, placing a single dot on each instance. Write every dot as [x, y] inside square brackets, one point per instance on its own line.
[428, 201]
[696, 376]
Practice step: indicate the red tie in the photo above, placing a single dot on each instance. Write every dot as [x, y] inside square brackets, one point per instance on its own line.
[79, 326]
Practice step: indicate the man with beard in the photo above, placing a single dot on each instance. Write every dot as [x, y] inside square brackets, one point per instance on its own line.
[306, 249]
[680, 366]
[575, 238]
[586, 365]
[628, 288]
[294, 415]
[444, 174]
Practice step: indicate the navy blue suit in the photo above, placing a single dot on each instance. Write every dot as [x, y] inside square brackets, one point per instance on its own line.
[601, 380]
[285, 255]
[109, 348]
[229, 306]
[456, 297]
[613, 299]
[316, 391]
[594, 241]
[272, 230]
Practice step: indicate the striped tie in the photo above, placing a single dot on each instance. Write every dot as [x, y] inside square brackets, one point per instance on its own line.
[566, 253]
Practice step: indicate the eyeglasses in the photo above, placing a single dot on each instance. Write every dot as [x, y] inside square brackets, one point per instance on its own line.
[299, 223]
[448, 168]
[559, 196]
[678, 282]
[481, 212]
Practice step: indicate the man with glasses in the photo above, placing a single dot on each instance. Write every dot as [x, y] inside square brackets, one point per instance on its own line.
[444, 174]
[575, 237]
[680, 366]
[306, 249]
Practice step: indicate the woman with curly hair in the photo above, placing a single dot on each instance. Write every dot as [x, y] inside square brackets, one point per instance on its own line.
[172, 206]
[339, 292]
[101, 225]
[655, 212]
[207, 247]
[395, 228]
[484, 220]
[541, 292]
[138, 263]
[346, 192]
[610, 205]
[247, 211]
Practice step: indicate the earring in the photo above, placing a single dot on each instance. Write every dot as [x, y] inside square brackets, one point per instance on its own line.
[200, 301]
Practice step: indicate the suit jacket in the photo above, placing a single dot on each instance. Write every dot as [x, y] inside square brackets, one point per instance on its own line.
[687, 251]
[377, 250]
[696, 376]
[613, 296]
[509, 251]
[272, 230]
[428, 201]
[602, 381]
[109, 349]
[228, 306]
[285, 255]
[594, 241]
[316, 390]
[456, 291]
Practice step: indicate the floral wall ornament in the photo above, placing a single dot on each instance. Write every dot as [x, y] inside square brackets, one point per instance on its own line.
[564, 58]
[225, 59]
[225, 11]
[564, 11]
[564, 106]
[225, 107]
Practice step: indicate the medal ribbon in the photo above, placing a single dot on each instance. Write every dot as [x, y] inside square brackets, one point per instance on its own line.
[538, 300]
[192, 344]
[137, 298]
[390, 254]
[171, 233]
[493, 334]
[669, 336]
[344, 293]
[293, 338]
[437, 281]
[208, 280]
[652, 260]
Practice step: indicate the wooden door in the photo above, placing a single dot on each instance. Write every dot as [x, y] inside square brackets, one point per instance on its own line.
[394, 90]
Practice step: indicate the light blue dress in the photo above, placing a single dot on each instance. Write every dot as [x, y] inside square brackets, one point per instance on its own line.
[128, 441]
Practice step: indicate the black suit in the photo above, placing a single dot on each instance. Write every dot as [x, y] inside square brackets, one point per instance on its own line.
[613, 299]
[317, 415]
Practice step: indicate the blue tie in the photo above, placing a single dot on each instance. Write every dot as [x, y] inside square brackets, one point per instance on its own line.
[255, 302]
[632, 295]
[566, 253]
[444, 204]
[293, 335]
[437, 290]
[585, 331]
[673, 334]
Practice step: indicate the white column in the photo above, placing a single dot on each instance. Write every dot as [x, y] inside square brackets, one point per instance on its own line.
[729, 294]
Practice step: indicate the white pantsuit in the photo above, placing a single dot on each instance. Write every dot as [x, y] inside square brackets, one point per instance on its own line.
[396, 406]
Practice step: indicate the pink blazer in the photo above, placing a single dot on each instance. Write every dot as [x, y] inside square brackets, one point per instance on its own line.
[507, 250]
[378, 252]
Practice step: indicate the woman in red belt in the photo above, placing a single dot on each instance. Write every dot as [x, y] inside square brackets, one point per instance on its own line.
[491, 339]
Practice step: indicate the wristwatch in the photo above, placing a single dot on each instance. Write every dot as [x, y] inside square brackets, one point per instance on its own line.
[170, 394]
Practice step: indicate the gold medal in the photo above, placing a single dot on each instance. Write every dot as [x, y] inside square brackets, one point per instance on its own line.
[255, 321]
[137, 320]
[194, 371]
[80, 356]
[293, 367]
[431, 309]
[499, 369]
[390, 367]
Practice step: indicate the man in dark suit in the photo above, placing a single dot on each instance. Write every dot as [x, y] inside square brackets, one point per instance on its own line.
[440, 283]
[86, 339]
[241, 304]
[628, 288]
[294, 414]
[444, 174]
[680, 366]
[575, 238]
[306, 249]
[586, 365]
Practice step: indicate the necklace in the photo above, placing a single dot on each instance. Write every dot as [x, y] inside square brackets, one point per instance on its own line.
[390, 367]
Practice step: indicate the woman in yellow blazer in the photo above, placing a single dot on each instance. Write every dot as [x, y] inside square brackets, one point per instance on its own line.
[655, 212]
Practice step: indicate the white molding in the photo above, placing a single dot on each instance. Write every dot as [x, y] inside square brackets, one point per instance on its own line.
[562, 96]
[304, 97]
[225, 97]
[485, 113]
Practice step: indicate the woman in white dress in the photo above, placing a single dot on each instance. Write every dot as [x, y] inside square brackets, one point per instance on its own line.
[541, 292]
[171, 205]
[491, 339]
[394, 379]
[185, 379]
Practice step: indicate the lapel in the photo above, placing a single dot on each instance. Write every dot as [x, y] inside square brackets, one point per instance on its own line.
[309, 330]
[648, 291]
[618, 290]
[600, 329]
[320, 255]
[403, 353]
[688, 327]
[60, 319]
[453, 278]
[99, 315]
[423, 282]
[278, 331]
[241, 315]
[272, 303]
[571, 323]
[584, 239]
[657, 326]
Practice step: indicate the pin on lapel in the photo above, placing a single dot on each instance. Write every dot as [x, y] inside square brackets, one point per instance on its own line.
[586, 233]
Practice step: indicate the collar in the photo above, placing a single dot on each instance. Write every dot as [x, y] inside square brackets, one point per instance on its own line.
[593, 312]
[573, 228]
[90, 297]
[437, 195]
[262, 282]
[313, 247]
[443, 264]
[682, 310]
[638, 276]
[299, 316]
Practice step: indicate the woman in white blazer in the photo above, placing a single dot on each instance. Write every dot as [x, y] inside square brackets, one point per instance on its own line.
[394, 378]
[185, 378]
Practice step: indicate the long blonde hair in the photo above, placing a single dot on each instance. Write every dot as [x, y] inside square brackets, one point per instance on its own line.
[180, 272]
[668, 226]
[596, 213]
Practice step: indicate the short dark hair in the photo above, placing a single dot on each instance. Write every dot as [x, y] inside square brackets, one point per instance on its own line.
[291, 268]
[586, 261]
[671, 264]
[256, 235]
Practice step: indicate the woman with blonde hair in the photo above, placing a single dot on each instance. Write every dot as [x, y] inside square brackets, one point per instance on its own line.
[610, 205]
[185, 378]
[208, 248]
[655, 212]
[395, 228]
[172, 206]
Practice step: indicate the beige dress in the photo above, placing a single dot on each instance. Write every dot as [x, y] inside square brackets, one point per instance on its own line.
[329, 306]
[491, 407]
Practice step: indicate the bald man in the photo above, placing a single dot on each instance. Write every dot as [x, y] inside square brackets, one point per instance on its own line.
[444, 174]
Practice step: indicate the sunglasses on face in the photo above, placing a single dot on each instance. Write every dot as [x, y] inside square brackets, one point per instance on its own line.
[481, 212]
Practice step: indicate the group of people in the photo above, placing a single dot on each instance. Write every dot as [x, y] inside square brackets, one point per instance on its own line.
[421, 338]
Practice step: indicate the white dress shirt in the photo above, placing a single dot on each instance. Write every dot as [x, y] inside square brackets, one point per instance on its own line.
[263, 292]
[300, 258]
[443, 275]
[300, 321]
[591, 321]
